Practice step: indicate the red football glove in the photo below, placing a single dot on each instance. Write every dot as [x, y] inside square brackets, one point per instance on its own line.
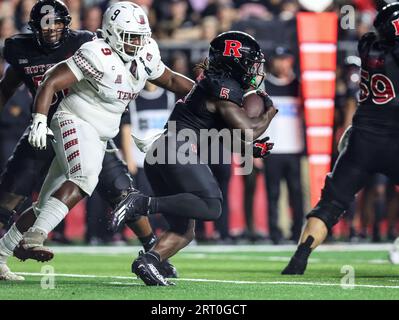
[261, 148]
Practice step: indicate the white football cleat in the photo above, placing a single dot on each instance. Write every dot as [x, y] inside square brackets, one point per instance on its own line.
[6, 274]
[394, 252]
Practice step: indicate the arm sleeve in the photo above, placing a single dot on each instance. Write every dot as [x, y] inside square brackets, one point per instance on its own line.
[153, 61]
[85, 64]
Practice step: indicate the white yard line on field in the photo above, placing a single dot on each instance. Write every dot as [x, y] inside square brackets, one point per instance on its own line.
[302, 283]
[246, 257]
[345, 247]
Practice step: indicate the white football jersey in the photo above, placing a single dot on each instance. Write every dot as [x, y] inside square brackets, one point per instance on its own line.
[106, 84]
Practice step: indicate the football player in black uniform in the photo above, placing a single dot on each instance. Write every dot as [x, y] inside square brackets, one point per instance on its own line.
[372, 143]
[184, 192]
[30, 56]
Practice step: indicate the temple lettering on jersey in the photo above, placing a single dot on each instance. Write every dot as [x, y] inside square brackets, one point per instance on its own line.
[122, 95]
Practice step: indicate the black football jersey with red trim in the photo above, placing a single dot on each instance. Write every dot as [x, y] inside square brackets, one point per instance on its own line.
[31, 62]
[378, 108]
[192, 112]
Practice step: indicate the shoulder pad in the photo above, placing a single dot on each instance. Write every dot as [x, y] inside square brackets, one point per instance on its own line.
[83, 35]
[152, 59]
[16, 46]
[222, 87]
[151, 55]
[88, 59]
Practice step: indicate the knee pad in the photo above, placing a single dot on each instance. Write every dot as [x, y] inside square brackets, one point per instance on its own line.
[332, 193]
[327, 211]
[332, 204]
[113, 185]
[116, 190]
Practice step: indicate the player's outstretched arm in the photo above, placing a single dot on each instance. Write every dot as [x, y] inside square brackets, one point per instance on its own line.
[8, 85]
[59, 78]
[236, 118]
[174, 81]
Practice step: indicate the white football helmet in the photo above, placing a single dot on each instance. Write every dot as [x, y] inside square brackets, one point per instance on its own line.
[126, 29]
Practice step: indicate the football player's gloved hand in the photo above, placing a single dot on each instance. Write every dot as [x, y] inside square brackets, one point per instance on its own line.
[266, 98]
[261, 148]
[39, 131]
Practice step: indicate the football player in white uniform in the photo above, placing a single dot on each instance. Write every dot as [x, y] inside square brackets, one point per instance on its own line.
[103, 76]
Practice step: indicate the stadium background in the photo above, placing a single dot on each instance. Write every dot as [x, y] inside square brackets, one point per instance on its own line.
[183, 29]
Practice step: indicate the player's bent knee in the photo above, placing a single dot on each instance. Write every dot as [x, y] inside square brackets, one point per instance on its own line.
[87, 183]
[214, 210]
[332, 205]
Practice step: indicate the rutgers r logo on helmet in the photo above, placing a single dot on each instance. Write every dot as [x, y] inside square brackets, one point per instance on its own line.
[232, 48]
[237, 55]
[387, 21]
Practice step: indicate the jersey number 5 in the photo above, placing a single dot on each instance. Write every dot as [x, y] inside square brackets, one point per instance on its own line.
[380, 85]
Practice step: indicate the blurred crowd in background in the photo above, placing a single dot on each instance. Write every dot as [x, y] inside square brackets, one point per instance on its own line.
[184, 29]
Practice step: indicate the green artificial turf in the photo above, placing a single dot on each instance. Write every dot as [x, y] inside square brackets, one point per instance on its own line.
[221, 275]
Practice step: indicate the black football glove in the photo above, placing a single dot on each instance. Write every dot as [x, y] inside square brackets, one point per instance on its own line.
[261, 148]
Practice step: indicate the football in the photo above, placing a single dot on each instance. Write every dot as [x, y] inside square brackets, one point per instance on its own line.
[253, 104]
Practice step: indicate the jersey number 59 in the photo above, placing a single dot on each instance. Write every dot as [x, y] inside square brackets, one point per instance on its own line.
[380, 86]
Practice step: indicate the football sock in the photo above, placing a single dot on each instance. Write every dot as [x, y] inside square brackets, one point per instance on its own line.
[8, 243]
[51, 214]
[299, 260]
[148, 241]
[304, 250]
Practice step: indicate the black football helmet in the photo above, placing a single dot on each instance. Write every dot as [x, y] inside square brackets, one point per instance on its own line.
[48, 12]
[387, 21]
[238, 54]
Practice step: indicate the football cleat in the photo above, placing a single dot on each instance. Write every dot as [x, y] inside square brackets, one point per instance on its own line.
[146, 268]
[131, 207]
[7, 275]
[296, 266]
[38, 253]
[31, 247]
[168, 270]
[299, 260]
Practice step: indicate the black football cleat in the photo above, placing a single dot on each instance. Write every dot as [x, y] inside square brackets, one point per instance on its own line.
[134, 205]
[146, 268]
[168, 270]
[296, 266]
[299, 260]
